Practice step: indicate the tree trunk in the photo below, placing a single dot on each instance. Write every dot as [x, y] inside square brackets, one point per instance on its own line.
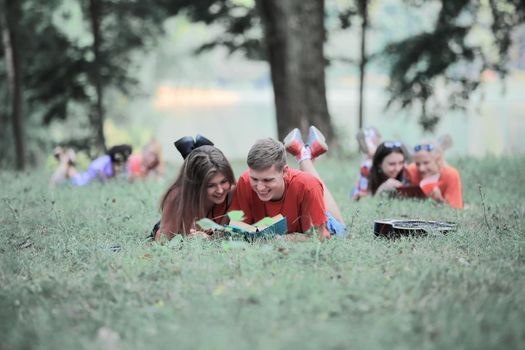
[294, 38]
[363, 11]
[97, 114]
[9, 24]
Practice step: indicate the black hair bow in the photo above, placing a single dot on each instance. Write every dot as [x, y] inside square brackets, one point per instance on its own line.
[187, 144]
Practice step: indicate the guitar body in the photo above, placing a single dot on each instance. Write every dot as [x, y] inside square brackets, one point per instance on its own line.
[398, 228]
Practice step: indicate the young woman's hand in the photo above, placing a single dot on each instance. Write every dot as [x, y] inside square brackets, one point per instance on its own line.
[436, 195]
[197, 233]
[389, 185]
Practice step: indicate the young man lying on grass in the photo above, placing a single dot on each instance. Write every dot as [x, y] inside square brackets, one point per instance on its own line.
[269, 187]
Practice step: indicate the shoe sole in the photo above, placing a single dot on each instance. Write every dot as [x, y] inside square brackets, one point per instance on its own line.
[292, 137]
[318, 136]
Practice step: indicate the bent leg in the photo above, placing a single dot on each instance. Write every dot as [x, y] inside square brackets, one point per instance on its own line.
[308, 166]
[59, 175]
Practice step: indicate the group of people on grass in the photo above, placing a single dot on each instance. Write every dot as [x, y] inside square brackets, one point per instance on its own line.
[387, 167]
[119, 157]
[207, 188]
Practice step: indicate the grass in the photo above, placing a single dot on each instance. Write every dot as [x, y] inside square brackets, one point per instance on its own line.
[62, 287]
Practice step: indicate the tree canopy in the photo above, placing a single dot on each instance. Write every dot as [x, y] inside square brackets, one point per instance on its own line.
[450, 57]
[56, 74]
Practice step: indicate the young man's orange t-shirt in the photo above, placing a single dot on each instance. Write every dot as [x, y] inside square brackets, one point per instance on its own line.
[449, 183]
[302, 203]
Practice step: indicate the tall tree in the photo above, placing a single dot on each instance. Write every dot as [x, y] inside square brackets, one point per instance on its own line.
[119, 28]
[97, 113]
[292, 44]
[294, 39]
[362, 6]
[9, 24]
[50, 73]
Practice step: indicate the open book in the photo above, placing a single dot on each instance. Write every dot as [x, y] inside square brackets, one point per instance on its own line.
[410, 192]
[267, 227]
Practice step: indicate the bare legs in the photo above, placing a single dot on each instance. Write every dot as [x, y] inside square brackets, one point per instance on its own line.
[315, 146]
[308, 166]
[65, 169]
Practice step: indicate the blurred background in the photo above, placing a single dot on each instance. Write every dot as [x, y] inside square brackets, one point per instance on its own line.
[90, 74]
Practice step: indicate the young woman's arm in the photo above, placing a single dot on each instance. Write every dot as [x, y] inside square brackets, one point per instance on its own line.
[168, 221]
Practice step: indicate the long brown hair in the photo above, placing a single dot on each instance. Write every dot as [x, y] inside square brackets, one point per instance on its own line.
[186, 198]
[376, 176]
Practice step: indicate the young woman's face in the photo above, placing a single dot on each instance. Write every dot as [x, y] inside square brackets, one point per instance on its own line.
[393, 164]
[426, 163]
[218, 188]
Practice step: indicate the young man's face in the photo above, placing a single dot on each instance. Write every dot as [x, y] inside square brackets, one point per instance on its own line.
[268, 183]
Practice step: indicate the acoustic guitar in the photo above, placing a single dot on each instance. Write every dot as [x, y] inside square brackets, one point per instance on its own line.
[392, 228]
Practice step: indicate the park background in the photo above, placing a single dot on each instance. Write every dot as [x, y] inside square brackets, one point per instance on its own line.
[229, 98]
[76, 272]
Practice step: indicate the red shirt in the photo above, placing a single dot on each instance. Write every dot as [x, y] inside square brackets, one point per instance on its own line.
[218, 212]
[449, 183]
[135, 165]
[302, 203]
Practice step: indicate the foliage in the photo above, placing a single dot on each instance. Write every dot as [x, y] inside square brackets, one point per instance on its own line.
[60, 276]
[59, 72]
[448, 55]
[239, 20]
[50, 75]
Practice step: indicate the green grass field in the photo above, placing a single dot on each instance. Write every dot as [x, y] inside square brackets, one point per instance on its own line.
[61, 287]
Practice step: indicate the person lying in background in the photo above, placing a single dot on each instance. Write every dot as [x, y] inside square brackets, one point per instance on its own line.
[438, 180]
[388, 166]
[66, 165]
[149, 161]
[102, 168]
[368, 139]
[201, 190]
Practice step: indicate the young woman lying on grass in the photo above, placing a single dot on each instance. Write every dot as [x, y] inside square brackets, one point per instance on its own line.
[388, 165]
[437, 179]
[149, 161]
[201, 190]
[102, 168]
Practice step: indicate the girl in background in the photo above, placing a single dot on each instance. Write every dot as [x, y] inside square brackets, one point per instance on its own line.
[368, 139]
[388, 165]
[439, 181]
[140, 165]
[102, 168]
